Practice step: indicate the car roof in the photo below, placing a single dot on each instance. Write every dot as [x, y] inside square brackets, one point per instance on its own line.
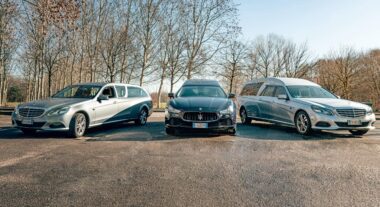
[285, 81]
[103, 84]
[90, 84]
[202, 82]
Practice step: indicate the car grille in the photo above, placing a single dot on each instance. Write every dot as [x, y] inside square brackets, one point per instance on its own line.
[30, 112]
[200, 116]
[352, 113]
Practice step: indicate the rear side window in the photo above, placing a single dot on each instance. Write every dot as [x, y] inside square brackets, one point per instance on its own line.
[121, 92]
[251, 89]
[268, 91]
[136, 92]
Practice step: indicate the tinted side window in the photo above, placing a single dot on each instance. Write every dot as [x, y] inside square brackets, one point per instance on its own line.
[251, 89]
[121, 92]
[256, 88]
[136, 92]
[246, 89]
[109, 91]
[279, 91]
[268, 91]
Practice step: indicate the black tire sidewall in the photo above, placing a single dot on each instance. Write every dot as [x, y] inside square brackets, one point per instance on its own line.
[247, 120]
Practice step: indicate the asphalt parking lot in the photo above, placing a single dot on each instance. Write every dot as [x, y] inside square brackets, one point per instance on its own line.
[126, 165]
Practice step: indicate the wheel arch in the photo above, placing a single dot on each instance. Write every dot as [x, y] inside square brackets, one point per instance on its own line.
[86, 115]
[295, 115]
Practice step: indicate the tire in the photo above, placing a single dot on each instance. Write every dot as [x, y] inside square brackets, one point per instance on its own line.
[170, 131]
[244, 117]
[231, 132]
[303, 123]
[143, 117]
[28, 131]
[78, 125]
[358, 132]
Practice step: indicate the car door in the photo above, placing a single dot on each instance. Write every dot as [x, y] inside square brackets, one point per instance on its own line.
[250, 99]
[265, 102]
[282, 107]
[136, 97]
[124, 103]
[106, 110]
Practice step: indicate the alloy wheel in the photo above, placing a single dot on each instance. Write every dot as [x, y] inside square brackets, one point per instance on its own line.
[302, 123]
[143, 117]
[80, 124]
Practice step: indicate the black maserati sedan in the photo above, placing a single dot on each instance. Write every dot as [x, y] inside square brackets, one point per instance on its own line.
[201, 105]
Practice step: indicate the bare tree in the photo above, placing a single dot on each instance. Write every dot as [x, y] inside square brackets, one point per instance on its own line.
[232, 64]
[207, 24]
[8, 14]
[147, 17]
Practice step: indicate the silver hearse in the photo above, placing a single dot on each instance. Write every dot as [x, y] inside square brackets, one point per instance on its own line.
[78, 107]
[302, 104]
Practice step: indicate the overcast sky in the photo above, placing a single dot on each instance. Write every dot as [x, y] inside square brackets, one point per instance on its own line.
[324, 24]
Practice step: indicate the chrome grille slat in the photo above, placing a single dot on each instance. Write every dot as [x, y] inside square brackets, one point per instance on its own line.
[352, 113]
[30, 112]
[195, 116]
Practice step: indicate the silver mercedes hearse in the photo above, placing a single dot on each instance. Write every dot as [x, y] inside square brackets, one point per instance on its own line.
[302, 104]
[78, 107]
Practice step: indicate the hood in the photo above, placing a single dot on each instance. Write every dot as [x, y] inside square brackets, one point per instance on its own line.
[53, 102]
[195, 103]
[333, 103]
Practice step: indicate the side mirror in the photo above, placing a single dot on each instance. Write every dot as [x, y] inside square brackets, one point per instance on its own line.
[231, 95]
[103, 98]
[282, 97]
[171, 95]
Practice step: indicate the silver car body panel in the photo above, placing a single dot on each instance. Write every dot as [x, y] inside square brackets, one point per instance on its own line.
[273, 109]
[119, 108]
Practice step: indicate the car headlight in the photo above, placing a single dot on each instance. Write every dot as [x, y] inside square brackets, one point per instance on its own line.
[321, 110]
[173, 110]
[16, 109]
[228, 110]
[58, 111]
[369, 111]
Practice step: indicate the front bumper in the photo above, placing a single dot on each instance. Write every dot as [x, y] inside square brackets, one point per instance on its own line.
[51, 123]
[224, 122]
[336, 122]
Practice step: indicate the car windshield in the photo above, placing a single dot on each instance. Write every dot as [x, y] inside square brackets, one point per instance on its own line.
[201, 91]
[309, 92]
[78, 91]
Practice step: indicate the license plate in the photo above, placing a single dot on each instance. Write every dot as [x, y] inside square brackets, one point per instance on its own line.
[27, 122]
[200, 125]
[354, 122]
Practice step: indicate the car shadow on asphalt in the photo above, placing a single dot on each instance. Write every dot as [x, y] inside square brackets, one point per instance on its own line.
[155, 131]
[152, 131]
[14, 133]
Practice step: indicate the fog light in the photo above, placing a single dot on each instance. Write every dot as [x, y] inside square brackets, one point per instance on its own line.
[57, 125]
[323, 124]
